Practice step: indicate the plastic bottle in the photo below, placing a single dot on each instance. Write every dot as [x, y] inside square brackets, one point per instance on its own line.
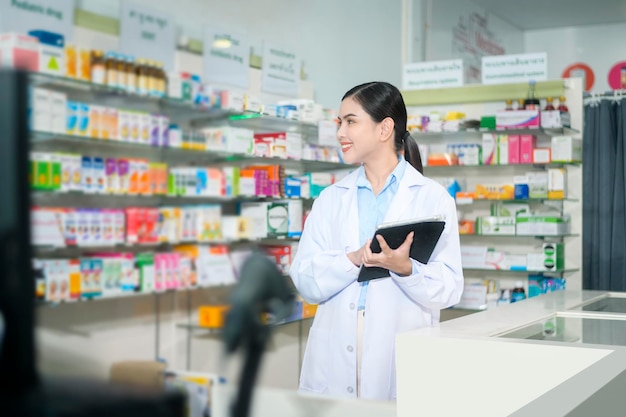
[518, 293]
[549, 105]
[509, 105]
[520, 104]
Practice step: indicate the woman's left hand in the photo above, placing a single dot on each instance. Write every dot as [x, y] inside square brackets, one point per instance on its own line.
[395, 260]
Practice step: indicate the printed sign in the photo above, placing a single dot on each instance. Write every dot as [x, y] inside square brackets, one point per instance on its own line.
[226, 57]
[435, 74]
[281, 70]
[504, 69]
[617, 76]
[147, 33]
[51, 15]
[580, 70]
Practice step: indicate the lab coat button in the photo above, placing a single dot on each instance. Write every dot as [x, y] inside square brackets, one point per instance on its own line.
[350, 390]
[352, 306]
[350, 348]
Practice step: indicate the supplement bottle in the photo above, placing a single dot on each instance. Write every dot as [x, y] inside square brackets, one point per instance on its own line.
[98, 69]
[518, 293]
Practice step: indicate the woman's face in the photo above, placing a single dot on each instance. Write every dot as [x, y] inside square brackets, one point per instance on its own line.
[357, 133]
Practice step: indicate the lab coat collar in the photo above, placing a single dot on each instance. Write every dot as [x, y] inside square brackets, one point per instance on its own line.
[411, 178]
[400, 205]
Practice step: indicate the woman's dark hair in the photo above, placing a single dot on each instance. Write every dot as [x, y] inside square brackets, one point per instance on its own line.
[381, 100]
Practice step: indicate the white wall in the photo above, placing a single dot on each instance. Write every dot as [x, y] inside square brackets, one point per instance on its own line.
[341, 43]
[446, 17]
[599, 46]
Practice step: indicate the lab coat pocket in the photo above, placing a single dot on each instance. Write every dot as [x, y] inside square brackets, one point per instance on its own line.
[315, 363]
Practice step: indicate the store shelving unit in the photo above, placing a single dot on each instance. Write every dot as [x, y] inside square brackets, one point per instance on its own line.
[47, 141]
[478, 100]
[189, 117]
[521, 236]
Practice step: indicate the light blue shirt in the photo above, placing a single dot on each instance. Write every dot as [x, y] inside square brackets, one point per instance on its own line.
[372, 208]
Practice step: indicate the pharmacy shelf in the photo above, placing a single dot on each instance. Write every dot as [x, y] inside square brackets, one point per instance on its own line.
[218, 331]
[126, 295]
[477, 133]
[495, 168]
[162, 246]
[58, 142]
[476, 201]
[508, 271]
[177, 110]
[478, 93]
[540, 236]
[85, 200]
[267, 124]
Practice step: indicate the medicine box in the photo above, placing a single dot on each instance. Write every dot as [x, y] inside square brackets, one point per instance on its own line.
[58, 112]
[520, 119]
[317, 182]
[277, 219]
[553, 255]
[551, 119]
[51, 52]
[514, 149]
[257, 214]
[19, 51]
[541, 156]
[503, 149]
[213, 317]
[293, 145]
[491, 225]
[542, 225]
[239, 140]
[537, 184]
[527, 144]
[41, 110]
[556, 183]
[489, 149]
[566, 149]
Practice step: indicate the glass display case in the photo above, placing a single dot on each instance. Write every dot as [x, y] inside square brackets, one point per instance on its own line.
[600, 321]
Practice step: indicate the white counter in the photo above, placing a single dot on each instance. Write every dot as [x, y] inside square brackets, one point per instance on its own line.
[491, 322]
[461, 368]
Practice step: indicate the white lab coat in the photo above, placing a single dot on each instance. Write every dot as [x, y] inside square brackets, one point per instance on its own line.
[323, 274]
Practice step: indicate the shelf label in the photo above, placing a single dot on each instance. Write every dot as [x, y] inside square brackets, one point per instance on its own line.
[281, 70]
[503, 69]
[51, 15]
[434, 74]
[226, 57]
[147, 33]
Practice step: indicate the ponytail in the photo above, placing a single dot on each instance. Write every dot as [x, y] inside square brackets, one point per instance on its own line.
[412, 152]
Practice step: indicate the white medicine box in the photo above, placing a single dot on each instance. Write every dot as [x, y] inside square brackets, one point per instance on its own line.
[567, 149]
[41, 110]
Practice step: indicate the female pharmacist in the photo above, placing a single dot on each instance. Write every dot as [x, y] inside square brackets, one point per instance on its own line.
[351, 345]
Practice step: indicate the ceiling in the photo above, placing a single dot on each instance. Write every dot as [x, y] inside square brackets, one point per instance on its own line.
[547, 14]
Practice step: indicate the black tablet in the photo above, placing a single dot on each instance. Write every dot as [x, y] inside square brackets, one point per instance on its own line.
[427, 233]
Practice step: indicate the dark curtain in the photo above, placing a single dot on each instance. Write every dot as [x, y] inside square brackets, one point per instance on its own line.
[604, 196]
